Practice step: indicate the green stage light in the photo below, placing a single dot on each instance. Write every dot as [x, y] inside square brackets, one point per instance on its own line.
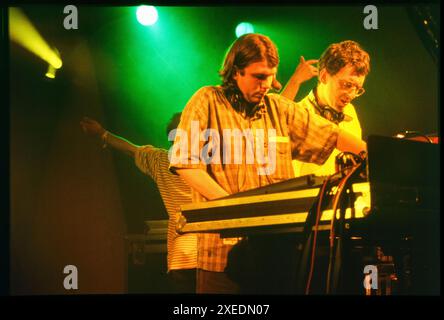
[243, 28]
[146, 15]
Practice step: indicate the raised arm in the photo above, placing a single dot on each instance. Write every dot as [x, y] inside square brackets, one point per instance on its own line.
[304, 72]
[95, 129]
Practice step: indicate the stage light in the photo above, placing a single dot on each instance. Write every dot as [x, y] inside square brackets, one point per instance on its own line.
[51, 72]
[243, 28]
[146, 15]
[23, 32]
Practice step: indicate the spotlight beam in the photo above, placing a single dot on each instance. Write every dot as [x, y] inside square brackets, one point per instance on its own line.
[23, 32]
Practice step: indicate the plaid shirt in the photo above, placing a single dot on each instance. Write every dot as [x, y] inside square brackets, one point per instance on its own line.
[305, 135]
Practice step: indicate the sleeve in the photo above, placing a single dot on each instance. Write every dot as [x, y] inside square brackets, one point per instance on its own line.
[147, 160]
[313, 138]
[185, 152]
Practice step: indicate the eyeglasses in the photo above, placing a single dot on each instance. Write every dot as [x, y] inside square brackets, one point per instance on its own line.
[348, 86]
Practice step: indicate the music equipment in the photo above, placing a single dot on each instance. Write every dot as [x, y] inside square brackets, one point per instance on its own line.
[391, 200]
[402, 183]
[275, 212]
[147, 260]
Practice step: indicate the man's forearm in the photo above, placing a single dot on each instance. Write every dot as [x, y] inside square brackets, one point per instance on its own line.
[121, 144]
[350, 143]
[201, 181]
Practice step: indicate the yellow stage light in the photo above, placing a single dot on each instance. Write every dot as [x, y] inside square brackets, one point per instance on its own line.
[51, 72]
[22, 31]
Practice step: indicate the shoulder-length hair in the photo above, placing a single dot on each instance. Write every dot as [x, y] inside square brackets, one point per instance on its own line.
[248, 49]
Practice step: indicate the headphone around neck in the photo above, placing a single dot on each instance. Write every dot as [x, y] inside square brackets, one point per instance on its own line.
[238, 102]
[327, 112]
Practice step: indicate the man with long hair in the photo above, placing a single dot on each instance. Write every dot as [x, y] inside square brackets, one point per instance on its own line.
[243, 104]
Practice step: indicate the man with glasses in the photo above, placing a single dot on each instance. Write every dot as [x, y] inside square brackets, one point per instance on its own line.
[342, 70]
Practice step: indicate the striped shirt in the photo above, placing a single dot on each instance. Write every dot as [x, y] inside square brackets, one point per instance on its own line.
[307, 136]
[182, 249]
[350, 124]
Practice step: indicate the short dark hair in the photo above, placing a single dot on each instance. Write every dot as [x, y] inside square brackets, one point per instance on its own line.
[174, 122]
[338, 55]
[247, 49]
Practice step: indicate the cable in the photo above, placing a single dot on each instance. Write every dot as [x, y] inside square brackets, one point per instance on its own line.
[318, 216]
[336, 198]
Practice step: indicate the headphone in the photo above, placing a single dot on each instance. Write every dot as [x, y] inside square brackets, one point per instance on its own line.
[330, 114]
[238, 102]
[327, 112]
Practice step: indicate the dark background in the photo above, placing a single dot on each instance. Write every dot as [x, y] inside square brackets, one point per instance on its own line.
[72, 202]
